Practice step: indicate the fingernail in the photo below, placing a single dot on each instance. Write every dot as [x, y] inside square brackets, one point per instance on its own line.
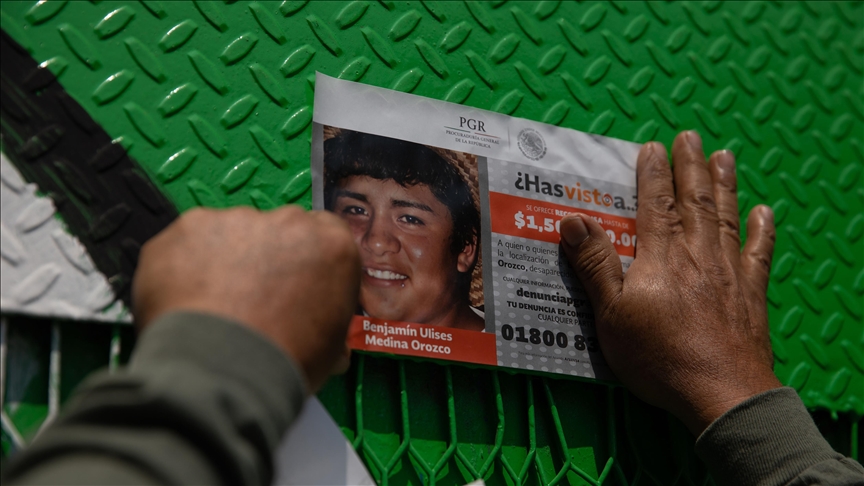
[725, 161]
[659, 150]
[693, 139]
[573, 230]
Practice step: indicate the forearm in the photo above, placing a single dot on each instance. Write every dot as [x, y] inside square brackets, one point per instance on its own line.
[203, 401]
[770, 440]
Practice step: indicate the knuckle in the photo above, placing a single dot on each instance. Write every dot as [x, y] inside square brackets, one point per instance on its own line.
[236, 215]
[294, 209]
[762, 261]
[728, 184]
[146, 250]
[328, 222]
[771, 235]
[195, 218]
[663, 212]
[700, 200]
[594, 260]
[663, 204]
[291, 216]
[719, 272]
[192, 215]
[243, 210]
[198, 212]
[326, 217]
[731, 227]
[291, 212]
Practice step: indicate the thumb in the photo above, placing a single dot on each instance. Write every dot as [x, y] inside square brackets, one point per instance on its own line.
[593, 258]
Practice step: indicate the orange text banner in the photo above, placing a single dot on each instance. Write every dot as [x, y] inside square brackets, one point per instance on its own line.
[370, 334]
[540, 220]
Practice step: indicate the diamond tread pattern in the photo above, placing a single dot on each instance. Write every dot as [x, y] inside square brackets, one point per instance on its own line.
[105, 199]
[45, 270]
[214, 101]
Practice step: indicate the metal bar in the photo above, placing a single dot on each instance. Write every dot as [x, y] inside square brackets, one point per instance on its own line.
[406, 425]
[612, 433]
[359, 441]
[509, 469]
[4, 330]
[432, 472]
[556, 419]
[5, 421]
[114, 350]
[565, 451]
[54, 372]
[606, 469]
[12, 431]
[53, 378]
[499, 433]
[451, 405]
[451, 409]
[532, 436]
[358, 402]
[406, 430]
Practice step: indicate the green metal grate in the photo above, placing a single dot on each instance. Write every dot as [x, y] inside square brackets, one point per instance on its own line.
[229, 93]
[41, 363]
[450, 426]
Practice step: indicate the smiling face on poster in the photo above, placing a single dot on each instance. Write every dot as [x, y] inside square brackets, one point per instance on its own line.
[417, 226]
[456, 215]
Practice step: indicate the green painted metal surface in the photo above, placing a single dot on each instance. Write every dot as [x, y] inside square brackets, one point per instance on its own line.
[214, 100]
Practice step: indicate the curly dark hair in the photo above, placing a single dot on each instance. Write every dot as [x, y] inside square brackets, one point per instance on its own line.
[408, 164]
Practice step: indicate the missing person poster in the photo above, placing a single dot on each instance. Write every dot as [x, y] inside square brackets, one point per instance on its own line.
[456, 212]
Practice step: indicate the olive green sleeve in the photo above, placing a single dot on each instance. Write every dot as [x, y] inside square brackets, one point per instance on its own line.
[204, 400]
[770, 439]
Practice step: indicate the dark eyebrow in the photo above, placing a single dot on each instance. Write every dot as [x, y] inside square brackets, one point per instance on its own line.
[352, 195]
[396, 203]
[399, 203]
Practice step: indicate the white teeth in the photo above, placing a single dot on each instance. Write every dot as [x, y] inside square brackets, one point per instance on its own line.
[385, 274]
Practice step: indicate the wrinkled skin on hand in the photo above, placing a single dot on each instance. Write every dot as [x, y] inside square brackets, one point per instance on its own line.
[290, 275]
[686, 328]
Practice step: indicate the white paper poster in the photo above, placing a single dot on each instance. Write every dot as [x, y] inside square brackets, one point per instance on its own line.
[456, 213]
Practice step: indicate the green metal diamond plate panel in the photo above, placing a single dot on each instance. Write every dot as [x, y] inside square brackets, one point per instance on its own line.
[214, 100]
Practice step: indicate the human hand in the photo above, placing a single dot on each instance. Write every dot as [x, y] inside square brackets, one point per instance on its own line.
[686, 328]
[291, 275]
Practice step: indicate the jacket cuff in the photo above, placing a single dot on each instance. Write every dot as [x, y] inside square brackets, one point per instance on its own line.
[767, 439]
[231, 351]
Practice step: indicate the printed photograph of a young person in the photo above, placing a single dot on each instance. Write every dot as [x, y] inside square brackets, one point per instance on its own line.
[414, 212]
